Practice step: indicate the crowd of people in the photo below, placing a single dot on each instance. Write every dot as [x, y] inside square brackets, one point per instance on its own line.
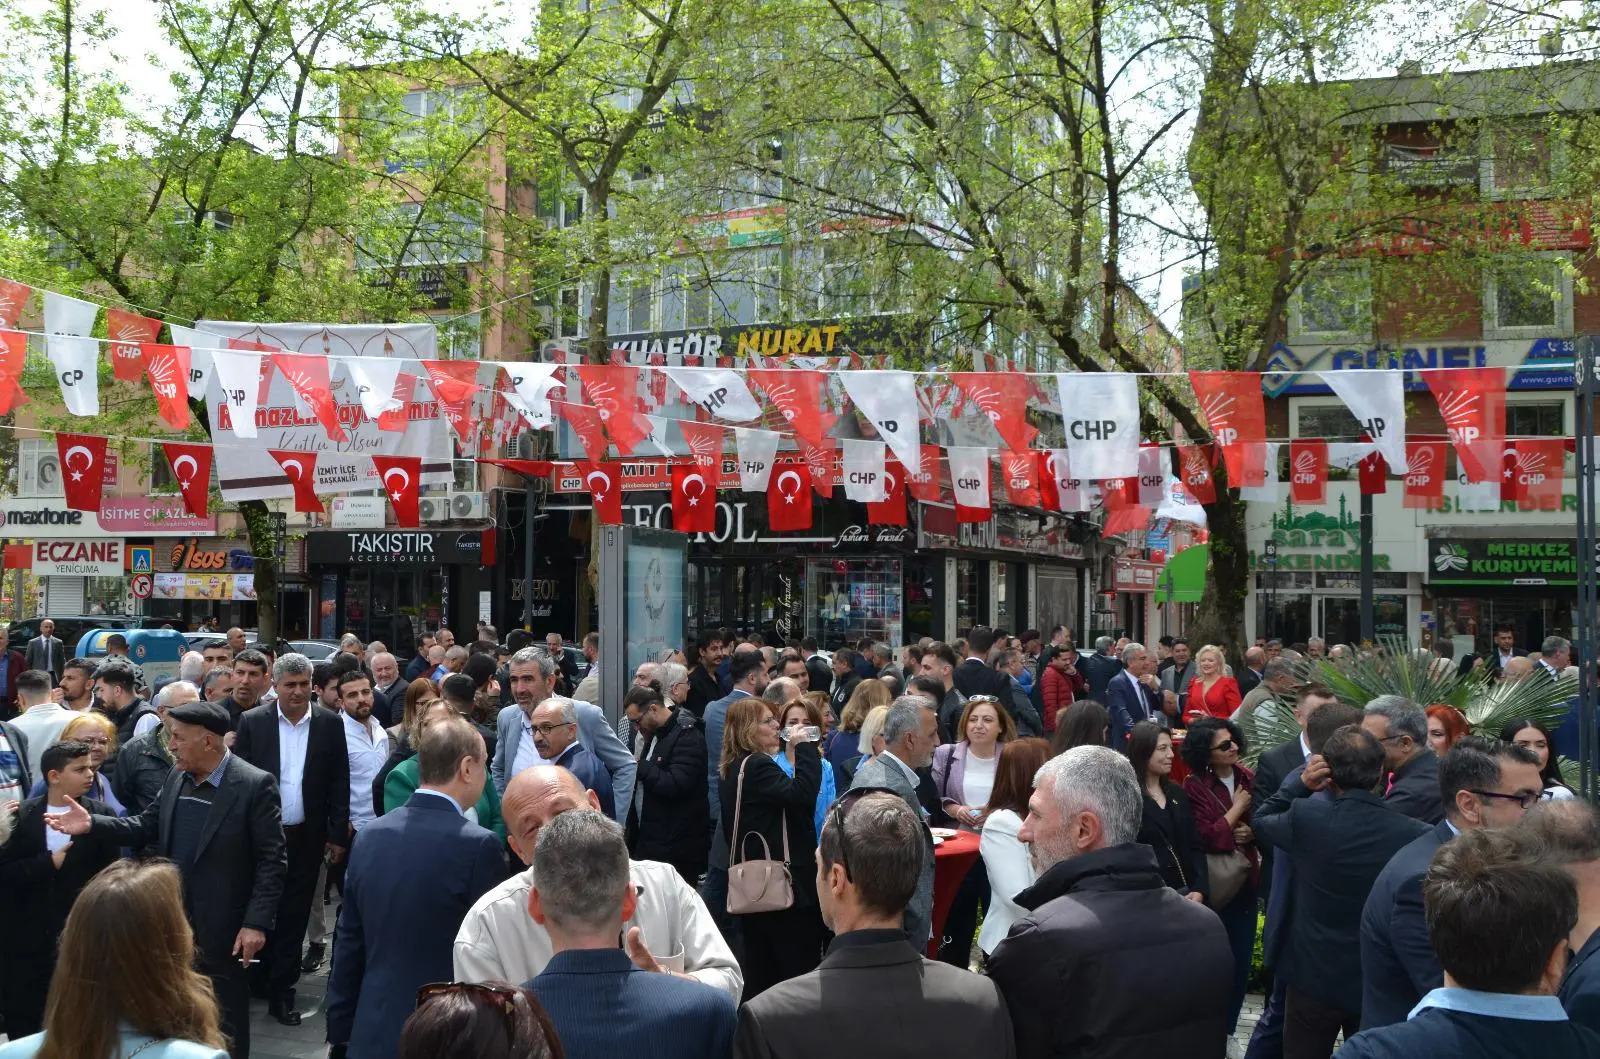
[744, 863]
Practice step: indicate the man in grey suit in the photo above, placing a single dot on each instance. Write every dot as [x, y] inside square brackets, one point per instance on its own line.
[871, 855]
[910, 734]
[45, 651]
[217, 818]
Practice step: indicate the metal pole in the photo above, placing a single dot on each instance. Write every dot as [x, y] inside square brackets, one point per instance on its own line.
[1368, 622]
[1588, 555]
[529, 527]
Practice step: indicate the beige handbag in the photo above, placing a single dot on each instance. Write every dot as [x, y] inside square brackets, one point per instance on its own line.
[757, 885]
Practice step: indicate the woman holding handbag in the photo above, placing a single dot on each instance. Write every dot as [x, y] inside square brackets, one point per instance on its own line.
[1168, 824]
[772, 839]
[963, 774]
[1219, 790]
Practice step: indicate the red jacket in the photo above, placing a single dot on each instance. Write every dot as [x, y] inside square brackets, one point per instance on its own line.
[1059, 690]
[1223, 699]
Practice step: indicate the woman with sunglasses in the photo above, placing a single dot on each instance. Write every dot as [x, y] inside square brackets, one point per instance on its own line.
[1219, 792]
[774, 813]
[478, 1020]
[1536, 737]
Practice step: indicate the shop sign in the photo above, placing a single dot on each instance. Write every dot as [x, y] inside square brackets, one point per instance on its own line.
[871, 536]
[546, 590]
[78, 558]
[734, 346]
[394, 547]
[358, 512]
[218, 587]
[1316, 540]
[1291, 369]
[1135, 575]
[217, 554]
[148, 516]
[740, 522]
[144, 516]
[1453, 561]
[1006, 531]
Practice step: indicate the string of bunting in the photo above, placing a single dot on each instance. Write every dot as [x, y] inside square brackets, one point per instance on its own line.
[1100, 417]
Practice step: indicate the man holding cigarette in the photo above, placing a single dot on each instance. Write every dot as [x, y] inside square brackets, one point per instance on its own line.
[218, 818]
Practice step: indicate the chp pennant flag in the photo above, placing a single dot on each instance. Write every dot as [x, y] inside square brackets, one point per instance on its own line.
[1377, 399]
[824, 469]
[168, 369]
[1100, 413]
[1236, 416]
[308, 375]
[1538, 469]
[797, 393]
[1061, 489]
[704, 441]
[613, 390]
[757, 449]
[719, 392]
[13, 354]
[401, 476]
[789, 499]
[83, 462]
[199, 344]
[1472, 402]
[1308, 470]
[969, 477]
[1195, 463]
[922, 482]
[694, 500]
[1424, 474]
[531, 383]
[374, 379]
[1003, 398]
[13, 299]
[1019, 472]
[127, 332]
[889, 401]
[238, 374]
[191, 466]
[864, 465]
[1152, 474]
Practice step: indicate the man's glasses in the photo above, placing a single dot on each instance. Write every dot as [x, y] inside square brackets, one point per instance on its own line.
[546, 729]
[841, 809]
[1526, 799]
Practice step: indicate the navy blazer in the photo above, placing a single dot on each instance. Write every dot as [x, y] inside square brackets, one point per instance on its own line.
[1273, 767]
[1128, 705]
[1580, 989]
[1415, 791]
[1398, 967]
[1437, 1033]
[412, 877]
[603, 1007]
[1338, 848]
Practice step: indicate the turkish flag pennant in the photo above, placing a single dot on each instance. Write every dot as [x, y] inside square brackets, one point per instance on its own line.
[789, 498]
[13, 352]
[705, 443]
[455, 383]
[694, 500]
[1003, 398]
[605, 489]
[1424, 478]
[1373, 474]
[301, 469]
[308, 374]
[797, 393]
[398, 419]
[191, 465]
[585, 422]
[168, 369]
[1308, 470]
[402, 478]
[1053, 470]
[891, 511]
[1511, 490]
[13, 299]
[613, 389]
[1196, 463]
[1540, 464]
[820, 460]
[1235, 414]
[1472, 402]
[923, 484]
[1130, 519]
[127, 332]
[83, 463]
[1020, 473]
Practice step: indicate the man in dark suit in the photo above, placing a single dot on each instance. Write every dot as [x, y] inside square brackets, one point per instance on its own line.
[601, 1005]
[1570, 830]
[1249, 678]
[669, 819]
[870, 850]
[11, 667]
[1499, 915]
[388, 683]
[41, 873]
[301, 745]
[1402, 728]
[817, 668]
[1337, 848]
[1504, 650]
[1484, 783]
[395, 936]
[45, 651]
[217, 819]
[1098, 668]
[974, 676]
[704, 687]
[1134, 694]
[842, 670]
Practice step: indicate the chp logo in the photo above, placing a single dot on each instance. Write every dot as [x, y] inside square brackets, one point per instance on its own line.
[1195, 471]
[1461, 411]
[1531, 467]
[1305, 468]
[1219, 409]
[1420, 466]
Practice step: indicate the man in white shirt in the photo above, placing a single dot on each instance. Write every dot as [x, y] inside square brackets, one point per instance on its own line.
[1555, 655]
[671, 930]
[41, 720]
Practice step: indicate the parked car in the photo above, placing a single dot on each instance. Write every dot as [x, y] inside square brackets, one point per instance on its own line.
[316, 650]
[69, 629]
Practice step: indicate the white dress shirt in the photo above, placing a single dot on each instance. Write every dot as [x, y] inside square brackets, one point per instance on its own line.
[292, 742]
[527, 754]
[368, 747]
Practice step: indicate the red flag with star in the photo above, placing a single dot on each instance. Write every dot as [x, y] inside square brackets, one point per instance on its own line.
[1372, 473]
[301, 469]
[13, 352]
[83, 462]
[694, 500]
[605, 490]
[308, 374]
[127, 332]
[191, 465]
[402, 479]
[789, 505]
[168, 369]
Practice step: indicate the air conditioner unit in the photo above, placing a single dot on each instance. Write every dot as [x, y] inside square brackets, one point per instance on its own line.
[434, 508]
[467, 506]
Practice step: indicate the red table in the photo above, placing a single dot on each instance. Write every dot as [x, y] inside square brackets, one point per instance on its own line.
[1180, 771]
[952, 859]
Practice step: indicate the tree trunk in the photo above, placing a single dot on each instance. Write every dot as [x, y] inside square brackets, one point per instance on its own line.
[264, 549]
[1220, 617]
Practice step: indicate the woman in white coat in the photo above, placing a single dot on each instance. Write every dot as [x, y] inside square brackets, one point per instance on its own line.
[1004, 857]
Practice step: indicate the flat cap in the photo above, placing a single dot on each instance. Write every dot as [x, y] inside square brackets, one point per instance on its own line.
[208, 715]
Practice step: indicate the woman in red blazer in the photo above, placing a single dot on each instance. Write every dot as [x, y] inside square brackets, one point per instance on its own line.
[1212, 693]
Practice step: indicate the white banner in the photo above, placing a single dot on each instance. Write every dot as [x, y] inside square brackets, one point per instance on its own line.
[969, 475]
[889, 401]
[863, 470]
[76, 362]
[1345, 455]
[1100, 412]
[721, 392]
[78, 558]
[1152, 476]
[199, 344]
[374, 379]
[248, 471]
[64, 315]
[1378, 401]
[532, 383]
[657, 437]
[1477, 496]
[238, 375]
[757, 451]
[1270, 491]
[1069, 487]
[1179, 505]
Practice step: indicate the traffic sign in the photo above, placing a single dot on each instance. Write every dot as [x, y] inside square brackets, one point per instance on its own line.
[142, 560]
[141, 586]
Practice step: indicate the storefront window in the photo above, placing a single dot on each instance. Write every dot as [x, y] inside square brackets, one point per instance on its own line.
[1056, 600]
[1341, 618]
[1283, 606]
[1469, 622]
[972, 593]
[847, 599]
[1006, 594]
[105, 595]
[922, 599]
[392, 605]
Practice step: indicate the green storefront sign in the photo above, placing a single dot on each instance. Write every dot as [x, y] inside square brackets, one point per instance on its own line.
[1501, 562]
[1318, 541]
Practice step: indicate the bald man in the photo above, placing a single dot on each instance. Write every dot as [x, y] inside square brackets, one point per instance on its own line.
[671, 929]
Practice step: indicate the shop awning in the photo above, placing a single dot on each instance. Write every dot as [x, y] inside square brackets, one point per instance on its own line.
[1183, 579]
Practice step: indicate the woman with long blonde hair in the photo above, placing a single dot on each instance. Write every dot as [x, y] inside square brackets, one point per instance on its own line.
[846, 744]
[124, 983]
